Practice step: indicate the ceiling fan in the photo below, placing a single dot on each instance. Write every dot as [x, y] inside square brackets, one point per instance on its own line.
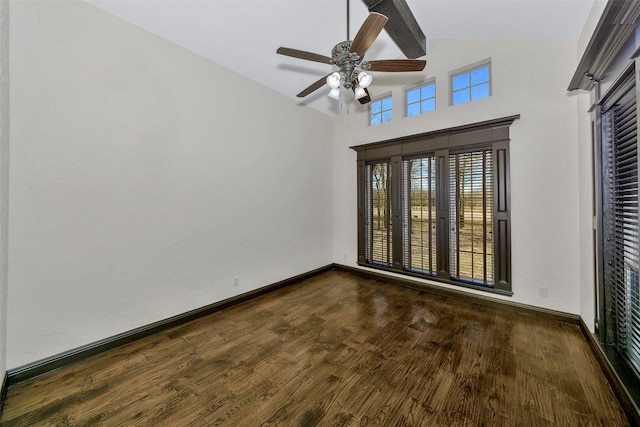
[348, 55]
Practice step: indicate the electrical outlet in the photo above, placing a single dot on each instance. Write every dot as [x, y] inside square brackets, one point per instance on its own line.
[542, 292]
[236, 282]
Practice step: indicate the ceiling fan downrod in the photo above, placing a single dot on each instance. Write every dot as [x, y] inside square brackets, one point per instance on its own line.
[348, 10]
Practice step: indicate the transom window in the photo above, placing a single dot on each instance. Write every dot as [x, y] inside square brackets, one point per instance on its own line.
[471, 84]
[421, 99]
[380, 111]
[437, 205]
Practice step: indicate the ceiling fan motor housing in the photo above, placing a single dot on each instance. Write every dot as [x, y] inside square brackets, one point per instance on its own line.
[347, 61]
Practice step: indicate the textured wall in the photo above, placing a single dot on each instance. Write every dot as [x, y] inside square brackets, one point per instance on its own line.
[146, 179]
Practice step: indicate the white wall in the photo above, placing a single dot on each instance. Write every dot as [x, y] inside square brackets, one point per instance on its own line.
[590, 25]
[4, 179]
[585, 220]
[145, 179]
[529, 78]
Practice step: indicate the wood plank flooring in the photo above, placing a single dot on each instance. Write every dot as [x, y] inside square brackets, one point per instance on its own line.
[334, 350]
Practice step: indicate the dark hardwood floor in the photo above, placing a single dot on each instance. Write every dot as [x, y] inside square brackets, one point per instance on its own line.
[334, 350]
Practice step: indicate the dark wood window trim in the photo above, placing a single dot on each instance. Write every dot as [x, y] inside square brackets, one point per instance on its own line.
[612, 35]
[616, 25]
[491, 134]
[616, 150]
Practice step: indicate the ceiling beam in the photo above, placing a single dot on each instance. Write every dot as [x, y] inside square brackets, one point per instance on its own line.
[402, 26]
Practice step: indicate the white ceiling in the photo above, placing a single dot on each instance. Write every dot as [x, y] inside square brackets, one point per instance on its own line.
[243, 35]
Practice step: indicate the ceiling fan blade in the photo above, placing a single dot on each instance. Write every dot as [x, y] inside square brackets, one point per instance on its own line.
[367, 33]
[313, 87]
[397, 65]
[309, 56]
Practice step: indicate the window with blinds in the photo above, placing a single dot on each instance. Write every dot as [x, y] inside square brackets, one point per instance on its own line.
[378, 220]
[620, 221]
[419, 215]
[471, 204]
[447, 215]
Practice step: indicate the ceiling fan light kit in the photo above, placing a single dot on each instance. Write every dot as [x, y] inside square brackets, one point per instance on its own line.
[333, 80]
[360, 93]
[347, 57]
[335, 93]
[364, 79]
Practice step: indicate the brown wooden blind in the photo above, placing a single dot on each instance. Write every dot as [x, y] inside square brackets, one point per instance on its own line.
[471, 205]
[419, 214]
[378, 214]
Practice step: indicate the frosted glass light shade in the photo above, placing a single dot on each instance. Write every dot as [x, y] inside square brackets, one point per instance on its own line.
[364, 79]
[359, 93]
[335, 93]
[333, 80]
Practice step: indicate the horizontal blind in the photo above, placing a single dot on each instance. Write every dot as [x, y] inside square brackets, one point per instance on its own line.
[419, 215]
[378, 216]
[624, 166]
[471, 205]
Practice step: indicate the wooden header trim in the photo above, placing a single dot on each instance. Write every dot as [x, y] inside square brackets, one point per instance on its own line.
[478, 133]
[616, 25]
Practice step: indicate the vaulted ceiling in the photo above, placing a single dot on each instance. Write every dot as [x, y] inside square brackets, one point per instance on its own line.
[243, 35]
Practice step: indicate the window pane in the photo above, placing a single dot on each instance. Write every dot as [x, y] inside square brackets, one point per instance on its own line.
[421, 215]
[413, 109]
[413, 96]
[476, 83]
[379, 214]
[376, 119]
[471, 199]
[386, 116]
[429, 91]
[421, 100]
[428, 105]
[480, 75]
[387, 103]
[375, 107]
[460, 81]
[461, 96]
[480, 91]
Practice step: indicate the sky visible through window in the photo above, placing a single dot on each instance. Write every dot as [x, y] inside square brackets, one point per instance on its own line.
[422, 99]
[470, 85]
[380, 111]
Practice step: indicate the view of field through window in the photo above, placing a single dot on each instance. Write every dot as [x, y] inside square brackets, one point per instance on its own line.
[379, 222]
[470, 184]
[420, 223]
[471, 205]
